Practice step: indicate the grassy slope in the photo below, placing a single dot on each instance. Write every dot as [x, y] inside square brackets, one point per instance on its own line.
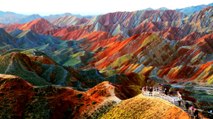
[141, 107]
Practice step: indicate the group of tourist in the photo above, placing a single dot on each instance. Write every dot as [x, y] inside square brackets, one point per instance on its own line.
[150, 89]
[190, 108]
[156, 89]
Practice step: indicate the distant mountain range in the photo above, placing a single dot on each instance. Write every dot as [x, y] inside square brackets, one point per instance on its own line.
[193, 9]
[11, 17]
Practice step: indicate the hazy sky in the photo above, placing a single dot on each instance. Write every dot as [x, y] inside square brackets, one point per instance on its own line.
[90, 7]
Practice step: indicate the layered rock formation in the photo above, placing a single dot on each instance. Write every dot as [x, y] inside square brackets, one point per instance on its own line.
[128, 49]
[19, 99]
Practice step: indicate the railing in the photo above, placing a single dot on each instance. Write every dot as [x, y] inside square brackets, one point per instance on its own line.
[172, 99]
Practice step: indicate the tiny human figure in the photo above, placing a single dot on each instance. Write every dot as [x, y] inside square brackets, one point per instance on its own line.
[157, 89]
[178, 94]
[195, 113]
[150, 91]
[143, 90]
[179, 102]
[191, 110]
[160, 89]
[179, 98]
[187, 106]
[166, 91]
